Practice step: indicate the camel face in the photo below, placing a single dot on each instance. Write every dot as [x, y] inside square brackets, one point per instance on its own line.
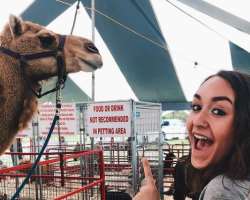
[29, 38]
[19, 72]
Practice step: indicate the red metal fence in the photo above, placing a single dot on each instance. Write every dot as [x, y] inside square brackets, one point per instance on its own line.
[64, 175]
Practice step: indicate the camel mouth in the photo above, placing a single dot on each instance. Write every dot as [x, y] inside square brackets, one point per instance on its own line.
[90, 64]
[93, 65]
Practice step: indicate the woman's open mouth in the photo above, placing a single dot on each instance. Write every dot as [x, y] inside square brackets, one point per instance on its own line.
[201, 141]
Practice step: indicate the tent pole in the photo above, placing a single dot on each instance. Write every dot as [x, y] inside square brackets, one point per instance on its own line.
[93, 39]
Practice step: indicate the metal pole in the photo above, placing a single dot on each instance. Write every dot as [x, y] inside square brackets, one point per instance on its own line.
[14, 160]
[82, 138]
[134, 159]
[102, 175]
[82, 147]
[160, 170]
[82, 107]
[36, 143]
[93, 40]
[93, 75]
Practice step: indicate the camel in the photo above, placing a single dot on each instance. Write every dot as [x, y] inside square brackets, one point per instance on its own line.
[21, 74]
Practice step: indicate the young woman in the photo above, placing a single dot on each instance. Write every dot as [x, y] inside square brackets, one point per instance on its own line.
[219, 133]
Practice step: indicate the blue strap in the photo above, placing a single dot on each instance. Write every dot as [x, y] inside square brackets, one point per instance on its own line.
[15, 196]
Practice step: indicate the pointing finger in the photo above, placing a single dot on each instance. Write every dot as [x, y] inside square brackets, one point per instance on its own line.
[146, 168]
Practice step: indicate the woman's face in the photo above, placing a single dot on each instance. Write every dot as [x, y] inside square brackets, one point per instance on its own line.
[210, 123]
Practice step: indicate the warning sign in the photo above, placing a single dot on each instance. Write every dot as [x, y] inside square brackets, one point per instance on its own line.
[68, 124]
[109, 119]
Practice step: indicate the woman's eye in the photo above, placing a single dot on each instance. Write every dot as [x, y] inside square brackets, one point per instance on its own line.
[217, 111]
[195, 107]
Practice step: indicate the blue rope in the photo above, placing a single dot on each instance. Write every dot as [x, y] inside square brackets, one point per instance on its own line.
[15, 196]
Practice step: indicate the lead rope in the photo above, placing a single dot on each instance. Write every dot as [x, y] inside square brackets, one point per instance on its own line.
[60, 85]
[56, 118]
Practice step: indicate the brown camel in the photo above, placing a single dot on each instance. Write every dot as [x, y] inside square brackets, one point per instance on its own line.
[19, 73]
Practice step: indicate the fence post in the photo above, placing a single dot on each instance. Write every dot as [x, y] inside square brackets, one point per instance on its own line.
[102, 175]
[160, 169]
[35, 131]
[134, 159]
[82, 145]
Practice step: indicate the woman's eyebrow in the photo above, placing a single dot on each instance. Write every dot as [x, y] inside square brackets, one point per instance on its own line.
[217, 98]
[197, 96]
[222, 98]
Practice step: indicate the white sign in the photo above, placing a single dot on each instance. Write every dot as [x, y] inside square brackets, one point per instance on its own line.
[68, 124]
[109, 119]
[147, 120]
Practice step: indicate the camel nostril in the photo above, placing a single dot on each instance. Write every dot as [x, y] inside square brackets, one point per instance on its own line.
[91, 48]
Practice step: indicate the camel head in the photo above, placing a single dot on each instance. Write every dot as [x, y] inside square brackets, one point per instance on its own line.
[29, 53]
[25, 37]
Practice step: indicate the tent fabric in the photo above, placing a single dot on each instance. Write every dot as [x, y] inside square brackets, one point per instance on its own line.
[138, 46]
[70, 93]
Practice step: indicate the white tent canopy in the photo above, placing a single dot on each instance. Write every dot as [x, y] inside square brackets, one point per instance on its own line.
[197, 47]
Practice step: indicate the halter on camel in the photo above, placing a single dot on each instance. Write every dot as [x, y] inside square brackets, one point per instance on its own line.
[57, 53]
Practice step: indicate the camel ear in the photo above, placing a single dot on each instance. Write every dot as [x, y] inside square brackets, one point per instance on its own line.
[15, 25]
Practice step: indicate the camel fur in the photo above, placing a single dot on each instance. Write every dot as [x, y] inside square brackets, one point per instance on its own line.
[17, 102]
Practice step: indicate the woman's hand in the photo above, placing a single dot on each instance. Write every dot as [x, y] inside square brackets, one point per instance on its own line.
[148, 190]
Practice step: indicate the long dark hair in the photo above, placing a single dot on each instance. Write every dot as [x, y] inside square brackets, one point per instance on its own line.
[236, 164]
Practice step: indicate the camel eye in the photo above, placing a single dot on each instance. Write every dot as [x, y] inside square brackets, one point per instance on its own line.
[47, 41]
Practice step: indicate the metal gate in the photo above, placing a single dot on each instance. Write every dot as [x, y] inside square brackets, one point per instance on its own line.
[122, 154]
[66, 175]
